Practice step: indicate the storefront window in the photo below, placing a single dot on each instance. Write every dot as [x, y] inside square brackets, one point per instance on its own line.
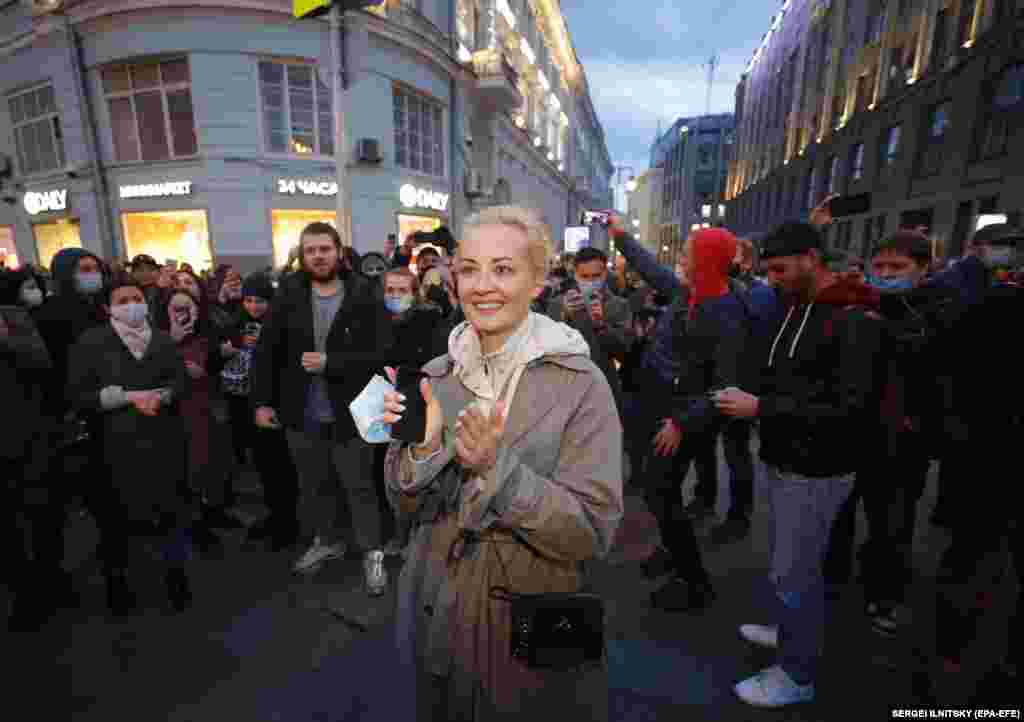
[182, 236]
[286, 227]
[8, 251]
[54, 237]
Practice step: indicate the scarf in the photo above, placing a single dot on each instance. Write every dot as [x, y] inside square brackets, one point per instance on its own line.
[490, 377]
[136, 338]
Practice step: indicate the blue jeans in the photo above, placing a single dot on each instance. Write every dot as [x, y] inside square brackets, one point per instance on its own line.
[803, 509]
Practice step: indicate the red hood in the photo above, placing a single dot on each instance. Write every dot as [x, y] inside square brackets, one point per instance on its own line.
[849, 292]
[712, 252]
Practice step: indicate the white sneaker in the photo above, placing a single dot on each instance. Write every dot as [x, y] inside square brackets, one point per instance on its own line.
[773, 688]
[376, 574]
[317, 554]
[761, 635]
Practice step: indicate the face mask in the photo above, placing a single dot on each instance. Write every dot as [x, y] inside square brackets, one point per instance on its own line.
[32, 297]
[591, 288]
[1000, 257]
[890, 285]
[399, 304]
[89, 283]
[131, 314]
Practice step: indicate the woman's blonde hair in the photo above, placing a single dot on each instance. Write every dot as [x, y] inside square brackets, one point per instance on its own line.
[526, 220]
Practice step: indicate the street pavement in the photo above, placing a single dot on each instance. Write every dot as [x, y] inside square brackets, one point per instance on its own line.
[261, 645]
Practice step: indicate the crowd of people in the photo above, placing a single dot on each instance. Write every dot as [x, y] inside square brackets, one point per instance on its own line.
[853, 379]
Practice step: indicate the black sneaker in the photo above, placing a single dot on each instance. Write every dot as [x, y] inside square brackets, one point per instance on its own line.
[680, 595]
[698, 510]
[658, 564]
[730, 530]
[179, 590]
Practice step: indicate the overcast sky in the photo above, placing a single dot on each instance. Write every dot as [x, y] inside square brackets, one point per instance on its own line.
[643, 61]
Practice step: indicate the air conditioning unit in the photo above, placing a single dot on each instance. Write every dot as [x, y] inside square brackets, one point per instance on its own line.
[368, 150]
[474, 184]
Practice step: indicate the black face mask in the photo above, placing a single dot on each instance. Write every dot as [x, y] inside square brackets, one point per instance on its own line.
[436, 294]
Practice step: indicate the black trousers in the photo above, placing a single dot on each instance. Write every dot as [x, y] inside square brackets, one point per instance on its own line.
[986, 522]
[736, 444]
[890, 487]
[663, 479]
[273, 458]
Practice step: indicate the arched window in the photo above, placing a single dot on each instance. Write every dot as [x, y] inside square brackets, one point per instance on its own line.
[1003, 112]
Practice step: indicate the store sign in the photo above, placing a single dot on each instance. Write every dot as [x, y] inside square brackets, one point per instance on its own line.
[156, 190]
[291, 186]
[37, 202]
[420, 198]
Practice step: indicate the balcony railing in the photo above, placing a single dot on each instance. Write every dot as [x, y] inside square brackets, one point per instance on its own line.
[493, 63]
[401, 14]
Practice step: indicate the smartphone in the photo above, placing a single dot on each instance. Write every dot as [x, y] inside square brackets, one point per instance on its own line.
[183, 315]
[850, 205]
[413, 426]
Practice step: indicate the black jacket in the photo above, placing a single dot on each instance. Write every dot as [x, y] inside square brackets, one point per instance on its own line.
[357, 347]
[823, 386]
[711, 354]
[413, 337]
[24, 369]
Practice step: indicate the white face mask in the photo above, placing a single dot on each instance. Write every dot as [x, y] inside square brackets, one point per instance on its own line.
[32, 297]
[131, 314]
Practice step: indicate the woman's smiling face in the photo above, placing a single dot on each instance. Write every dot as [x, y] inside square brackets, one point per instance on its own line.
[496, 282]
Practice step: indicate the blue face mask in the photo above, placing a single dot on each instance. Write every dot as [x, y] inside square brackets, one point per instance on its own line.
[89, 283]
[400, 304]
[890, 285]
[591, 288]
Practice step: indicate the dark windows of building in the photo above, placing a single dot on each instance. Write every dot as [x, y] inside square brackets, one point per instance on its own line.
[875, 23]
[831, 175]
[965, 23]
[419, 132]
[297, 114]
[151, 110]
[939, 41]
[857, 162]
[1004, 111]
[38, 137]
[936, 132]
[918, 218]
[891, 146]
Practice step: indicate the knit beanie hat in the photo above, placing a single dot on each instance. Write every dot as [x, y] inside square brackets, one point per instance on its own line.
[791, 239]
[258, 285]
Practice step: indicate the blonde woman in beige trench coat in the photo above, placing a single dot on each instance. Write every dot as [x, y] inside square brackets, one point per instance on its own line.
[531, 461]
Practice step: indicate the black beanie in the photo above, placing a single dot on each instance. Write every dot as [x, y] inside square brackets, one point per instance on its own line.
[791, 239]
[258, 285]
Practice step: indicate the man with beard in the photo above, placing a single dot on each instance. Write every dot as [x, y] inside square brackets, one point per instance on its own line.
[320, 348]
[817, 388]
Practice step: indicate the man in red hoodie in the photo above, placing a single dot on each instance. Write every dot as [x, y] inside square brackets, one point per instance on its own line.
[708, 334]
[816, 390]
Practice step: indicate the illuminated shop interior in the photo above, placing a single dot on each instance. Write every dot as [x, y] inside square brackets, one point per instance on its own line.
[411, 224]
[181, 236]
[286, 227]
[55, 236]
[8, 251]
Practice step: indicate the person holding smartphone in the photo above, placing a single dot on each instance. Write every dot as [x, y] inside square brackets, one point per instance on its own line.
[515, 480]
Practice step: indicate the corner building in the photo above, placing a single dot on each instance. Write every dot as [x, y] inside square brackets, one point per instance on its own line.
[916, 106]
[205, 132]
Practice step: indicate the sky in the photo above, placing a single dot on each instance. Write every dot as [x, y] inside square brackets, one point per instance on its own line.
[643, 60]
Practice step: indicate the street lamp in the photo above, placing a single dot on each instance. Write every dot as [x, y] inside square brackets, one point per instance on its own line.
[636, 223]
[631, 184]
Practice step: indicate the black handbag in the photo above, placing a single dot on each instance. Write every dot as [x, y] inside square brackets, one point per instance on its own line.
[555, 630]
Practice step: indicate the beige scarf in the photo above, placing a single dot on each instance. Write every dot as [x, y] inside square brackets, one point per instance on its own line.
[490, 377]
[136, 338]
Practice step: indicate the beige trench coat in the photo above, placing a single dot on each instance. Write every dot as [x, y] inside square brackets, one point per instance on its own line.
[558, 485]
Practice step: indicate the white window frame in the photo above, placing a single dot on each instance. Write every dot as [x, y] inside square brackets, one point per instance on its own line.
[399, 88]
[163, 89]
[49, 117]
[264, 143]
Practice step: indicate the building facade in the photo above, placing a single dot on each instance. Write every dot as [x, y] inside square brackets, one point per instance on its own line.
[643, 203]
[206, 131]
[916, 107]
[693, 156]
